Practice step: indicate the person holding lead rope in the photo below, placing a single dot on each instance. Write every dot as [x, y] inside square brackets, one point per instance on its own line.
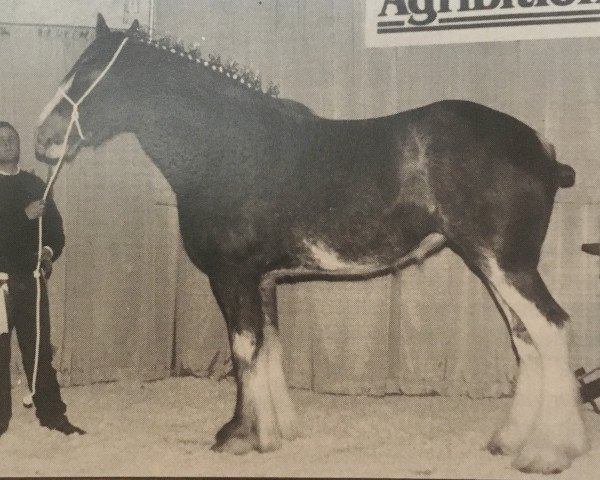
[21, 205]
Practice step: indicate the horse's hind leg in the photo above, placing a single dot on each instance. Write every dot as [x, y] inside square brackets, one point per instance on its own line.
[254, 424]
[557, 434]
[512, 435]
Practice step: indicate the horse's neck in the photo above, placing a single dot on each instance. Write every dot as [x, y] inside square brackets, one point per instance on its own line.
[179, 134]
[187, 116]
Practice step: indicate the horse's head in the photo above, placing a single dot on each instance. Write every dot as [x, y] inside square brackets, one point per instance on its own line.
[101, 109]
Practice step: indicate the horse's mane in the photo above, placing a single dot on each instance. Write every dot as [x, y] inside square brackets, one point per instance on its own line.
[242, 75]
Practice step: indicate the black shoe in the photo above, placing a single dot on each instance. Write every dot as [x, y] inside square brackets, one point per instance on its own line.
[61, 424]
[3, 428]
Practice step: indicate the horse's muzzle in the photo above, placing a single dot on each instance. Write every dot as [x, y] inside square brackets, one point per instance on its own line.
[46, 155]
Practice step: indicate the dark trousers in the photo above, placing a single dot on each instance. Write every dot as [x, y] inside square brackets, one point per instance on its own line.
[21, 306]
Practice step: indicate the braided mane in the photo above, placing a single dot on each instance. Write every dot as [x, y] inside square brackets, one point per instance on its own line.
[230, 69]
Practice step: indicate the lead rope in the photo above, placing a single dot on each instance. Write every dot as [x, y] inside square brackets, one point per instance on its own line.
[28, 399]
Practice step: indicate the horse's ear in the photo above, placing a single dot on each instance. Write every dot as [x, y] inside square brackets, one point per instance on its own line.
[134, 26]
[101, 26]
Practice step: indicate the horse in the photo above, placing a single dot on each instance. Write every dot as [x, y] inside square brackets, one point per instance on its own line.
[269, 192]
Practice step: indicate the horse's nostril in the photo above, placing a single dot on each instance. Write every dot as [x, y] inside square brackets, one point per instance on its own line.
[42, 143]
[44, 138]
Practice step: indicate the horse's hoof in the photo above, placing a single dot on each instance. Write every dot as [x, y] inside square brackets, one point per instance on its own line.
[496, 449]
[235, 437]
[504, 442]
[239, 442]
[233, 428]
[239, 438]
[288, 425]
[235, 446]
[269, 444]
[549, 456]
[546, 461]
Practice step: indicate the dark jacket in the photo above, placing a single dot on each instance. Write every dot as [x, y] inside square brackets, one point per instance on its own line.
[18, 234]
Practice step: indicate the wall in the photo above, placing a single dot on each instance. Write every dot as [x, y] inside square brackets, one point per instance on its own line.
[118, 13]
[124, 288]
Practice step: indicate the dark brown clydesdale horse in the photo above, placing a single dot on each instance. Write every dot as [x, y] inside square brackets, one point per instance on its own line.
[268, 191]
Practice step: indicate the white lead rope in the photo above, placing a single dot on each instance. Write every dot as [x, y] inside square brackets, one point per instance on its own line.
[28, 399]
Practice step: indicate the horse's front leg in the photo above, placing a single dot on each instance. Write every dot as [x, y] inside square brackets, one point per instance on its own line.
[254, 422]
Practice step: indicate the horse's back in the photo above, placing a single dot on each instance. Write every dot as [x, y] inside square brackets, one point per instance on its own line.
[492, 179]
[479, 176]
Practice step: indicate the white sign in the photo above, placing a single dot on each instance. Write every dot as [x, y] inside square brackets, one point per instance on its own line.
[391, 23]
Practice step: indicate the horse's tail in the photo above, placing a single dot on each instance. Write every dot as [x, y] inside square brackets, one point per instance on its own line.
[565, 175]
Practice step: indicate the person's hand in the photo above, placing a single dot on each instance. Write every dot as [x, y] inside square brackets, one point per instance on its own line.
[46, 262]
[35, 209]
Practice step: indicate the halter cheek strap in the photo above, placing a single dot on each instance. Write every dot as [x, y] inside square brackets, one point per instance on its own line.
[75, 104]
[75, 115]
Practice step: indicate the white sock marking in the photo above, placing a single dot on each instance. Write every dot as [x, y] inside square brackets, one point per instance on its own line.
[528, 394]
[558, 431]
[282, 403]
[257, 401]
[244, 345]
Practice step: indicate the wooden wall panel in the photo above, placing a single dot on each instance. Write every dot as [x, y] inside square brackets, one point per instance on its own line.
[448, 336]
[120, 266]
[441, 331]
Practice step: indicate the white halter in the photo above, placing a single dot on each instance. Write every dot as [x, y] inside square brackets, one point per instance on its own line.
[75, 114]
[28, 400]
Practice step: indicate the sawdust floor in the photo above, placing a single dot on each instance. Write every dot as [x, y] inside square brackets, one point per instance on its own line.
[166, 428]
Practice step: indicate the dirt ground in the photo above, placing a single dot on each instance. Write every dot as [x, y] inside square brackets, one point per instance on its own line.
[166, 428]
